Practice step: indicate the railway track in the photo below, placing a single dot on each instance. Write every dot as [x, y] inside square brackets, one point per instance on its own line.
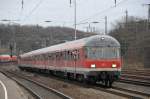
[131, 91]
[114, 90]
[134, 81]
[124, 93]
[130, 94]
[136, 77]
[39, 90]
[137, 72]
[141, 77]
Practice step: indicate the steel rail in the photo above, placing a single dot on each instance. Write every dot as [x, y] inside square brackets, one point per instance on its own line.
[97, 87]
[108, 90]
[19, 83]
[134, 81]
[136, 77]
[132, 91]
[116, 93]
[42, 85]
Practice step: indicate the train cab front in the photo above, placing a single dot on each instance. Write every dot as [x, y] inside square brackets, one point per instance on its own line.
[103, 63]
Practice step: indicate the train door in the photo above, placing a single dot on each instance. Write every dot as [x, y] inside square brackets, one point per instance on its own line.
[75, 55]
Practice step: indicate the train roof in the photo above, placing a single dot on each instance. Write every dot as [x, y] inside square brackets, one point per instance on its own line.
[96, 40]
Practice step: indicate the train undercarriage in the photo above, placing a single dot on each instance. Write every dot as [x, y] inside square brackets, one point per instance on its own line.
[105, 78]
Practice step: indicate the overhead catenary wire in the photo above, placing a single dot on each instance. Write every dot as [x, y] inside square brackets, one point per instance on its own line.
[34, 9]
[39, 3]
[105, 10]
[70, 1]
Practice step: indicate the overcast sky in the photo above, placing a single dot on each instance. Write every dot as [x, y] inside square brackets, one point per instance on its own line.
[61, 14]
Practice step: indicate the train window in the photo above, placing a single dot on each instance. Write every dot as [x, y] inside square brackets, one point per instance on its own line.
[41, 57]
[95, 53]
[71, 55]
[102, 52]
[111, 52]
[36, 58]
[64, 55]
[67, 55]
[61, 55]
[33, 58]
[57, 56]
[50, 56]
[75, 54]
[45, 57]
[53, 56]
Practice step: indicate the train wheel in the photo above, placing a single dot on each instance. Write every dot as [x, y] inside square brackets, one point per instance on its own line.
[91, 80]
[105, 83]
[108, 83]
[70, 76]
[80, 78]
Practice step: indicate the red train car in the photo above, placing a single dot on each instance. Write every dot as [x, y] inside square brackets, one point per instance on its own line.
[92, 59]
[7, 58]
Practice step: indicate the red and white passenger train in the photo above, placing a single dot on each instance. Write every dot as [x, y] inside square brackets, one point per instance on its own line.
[92, 59]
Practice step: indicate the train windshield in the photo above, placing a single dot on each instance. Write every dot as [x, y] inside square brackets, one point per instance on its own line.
[103, 52]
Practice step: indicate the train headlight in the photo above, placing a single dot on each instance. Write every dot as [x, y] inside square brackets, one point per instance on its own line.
[93, 66]
[114, 65]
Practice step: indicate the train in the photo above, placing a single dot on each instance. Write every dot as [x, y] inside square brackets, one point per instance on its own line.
[92, 59]
[5, 58]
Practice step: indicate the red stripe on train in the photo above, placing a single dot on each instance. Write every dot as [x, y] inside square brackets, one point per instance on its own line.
[103, 63]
